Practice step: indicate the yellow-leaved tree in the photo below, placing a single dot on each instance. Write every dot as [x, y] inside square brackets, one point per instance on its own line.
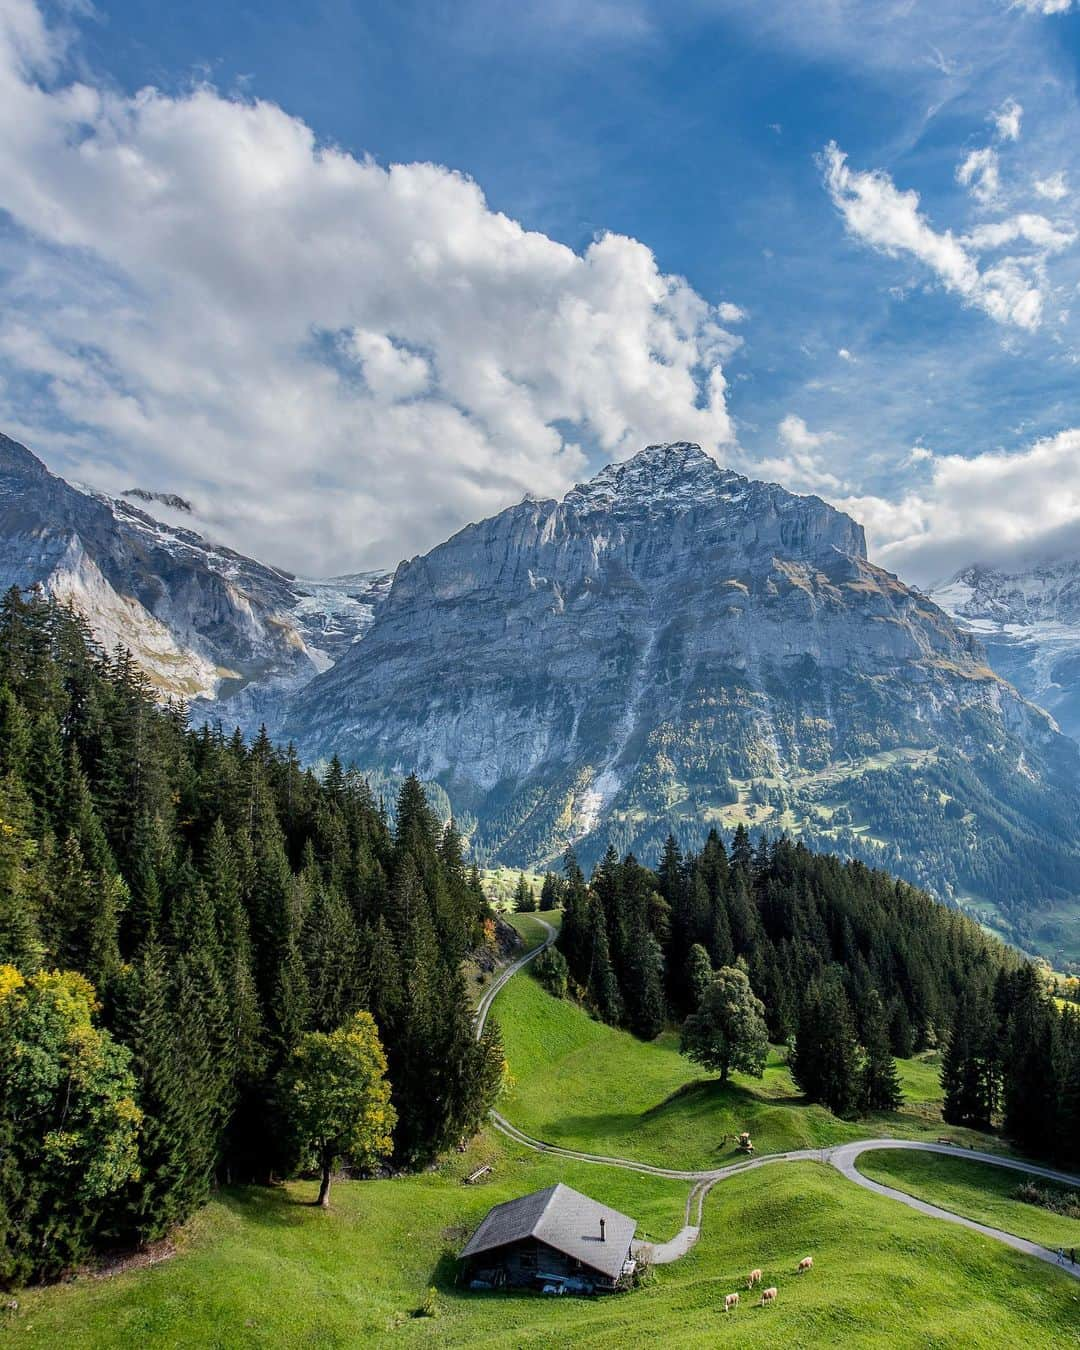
[335, 1093]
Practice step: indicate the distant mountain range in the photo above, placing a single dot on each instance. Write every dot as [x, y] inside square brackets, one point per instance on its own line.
[1028, 619]
[203, 622]
[670, 647]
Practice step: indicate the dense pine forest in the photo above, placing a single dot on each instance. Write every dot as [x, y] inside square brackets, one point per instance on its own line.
[848, 966]
[216, 967]
[188, 926]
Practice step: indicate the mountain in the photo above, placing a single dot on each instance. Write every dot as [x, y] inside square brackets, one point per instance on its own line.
[673, 642]
[204, 623]
[1028, 619]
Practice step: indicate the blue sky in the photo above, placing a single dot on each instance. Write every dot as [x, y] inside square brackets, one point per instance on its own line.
[916, 361]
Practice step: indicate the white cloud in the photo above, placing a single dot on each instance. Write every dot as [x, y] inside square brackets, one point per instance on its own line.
[800, 465]
[1006, 120]
[1053, 187]
[1026, 228]
[1043, 6]
[844, 354]
[730, 313]
[992, 508]
[919, 454]
[341, 361]
[980, 174]
[875, 211]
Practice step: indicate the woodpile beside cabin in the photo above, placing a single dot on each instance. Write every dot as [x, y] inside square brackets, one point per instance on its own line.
[555, 1240]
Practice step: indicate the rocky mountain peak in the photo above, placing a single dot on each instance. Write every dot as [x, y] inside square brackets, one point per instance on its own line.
[674, 474]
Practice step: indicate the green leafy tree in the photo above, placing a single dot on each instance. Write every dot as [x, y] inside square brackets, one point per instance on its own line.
[728, 1030]
[552, 971]
[69, 1122]
[334, 1092]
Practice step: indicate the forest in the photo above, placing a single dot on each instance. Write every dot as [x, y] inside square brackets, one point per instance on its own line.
[192, 931]
[848, 967]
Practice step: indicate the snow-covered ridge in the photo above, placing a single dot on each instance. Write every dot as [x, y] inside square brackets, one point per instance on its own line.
[205, 622]
[1028, 618]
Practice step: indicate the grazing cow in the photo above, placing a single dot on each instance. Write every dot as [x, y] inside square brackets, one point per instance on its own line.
[807, 1263]
[731, 1301]
[768, 1296]
[753, 1278]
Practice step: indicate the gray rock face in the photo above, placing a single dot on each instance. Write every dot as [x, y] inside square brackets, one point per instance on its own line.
[204, 622]
[1028, 619]
[671, 645]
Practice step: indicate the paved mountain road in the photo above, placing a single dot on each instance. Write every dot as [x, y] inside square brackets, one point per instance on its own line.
[842, 1156]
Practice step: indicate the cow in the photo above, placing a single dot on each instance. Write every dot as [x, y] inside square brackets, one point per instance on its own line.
[753, 1278]
[731, 1301]
[807, 1263]
[768, 1296]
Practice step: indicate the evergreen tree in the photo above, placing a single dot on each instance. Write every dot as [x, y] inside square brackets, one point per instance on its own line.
[550, 892]
[967, 1066]
[524, 899]
[824, 1062]
[879, 1082]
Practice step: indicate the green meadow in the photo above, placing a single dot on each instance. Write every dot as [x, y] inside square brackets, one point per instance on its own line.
[262, 1267]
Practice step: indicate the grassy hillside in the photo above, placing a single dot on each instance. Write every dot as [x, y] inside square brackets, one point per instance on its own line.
[975, 1190]
[586, 1085]
[260, 1268]
[263, 1268]
[500, 883]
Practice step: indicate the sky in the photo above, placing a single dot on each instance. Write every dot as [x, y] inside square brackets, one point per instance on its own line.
[350, 275]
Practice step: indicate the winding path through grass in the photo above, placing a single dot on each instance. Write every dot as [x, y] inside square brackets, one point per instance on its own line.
[842, 1156]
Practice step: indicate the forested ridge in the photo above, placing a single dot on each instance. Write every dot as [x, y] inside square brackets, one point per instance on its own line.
[845, 964]
[179, 912]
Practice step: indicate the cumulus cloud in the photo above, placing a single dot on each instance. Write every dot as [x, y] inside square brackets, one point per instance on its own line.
[1006, 120]
[341, 361]
[994, 508]
[1053, 187]
[980, 174]
[800, 465]
[1011, 289]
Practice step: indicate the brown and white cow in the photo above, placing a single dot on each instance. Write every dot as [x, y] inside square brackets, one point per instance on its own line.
[768, 1296]
[731, 1301]
[753, 1278]
[807, 1263]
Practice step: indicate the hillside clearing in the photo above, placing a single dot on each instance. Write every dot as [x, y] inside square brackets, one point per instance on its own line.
[585, 1085]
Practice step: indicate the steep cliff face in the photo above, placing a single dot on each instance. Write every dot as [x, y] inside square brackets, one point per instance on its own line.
[674, 643]
[203, 622]
[1028, 619]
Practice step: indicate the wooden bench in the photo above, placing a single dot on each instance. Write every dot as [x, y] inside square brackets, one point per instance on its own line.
[476, 1175]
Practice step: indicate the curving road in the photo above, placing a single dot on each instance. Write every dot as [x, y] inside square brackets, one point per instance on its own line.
[842, 1156]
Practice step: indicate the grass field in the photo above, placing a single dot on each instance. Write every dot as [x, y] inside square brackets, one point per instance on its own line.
[585, 1085]
[260, 1268]
[263, 1268]
[975, 1190]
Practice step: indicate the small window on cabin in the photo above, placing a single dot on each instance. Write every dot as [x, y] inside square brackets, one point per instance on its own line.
[528, 1260]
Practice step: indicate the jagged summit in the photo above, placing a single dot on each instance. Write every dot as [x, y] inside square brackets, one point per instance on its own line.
[677, 473]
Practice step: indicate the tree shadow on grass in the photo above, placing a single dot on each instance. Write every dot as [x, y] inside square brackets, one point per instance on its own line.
[266, 1206]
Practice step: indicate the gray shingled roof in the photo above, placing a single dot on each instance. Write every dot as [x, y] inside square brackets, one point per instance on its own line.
[564, 1219]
